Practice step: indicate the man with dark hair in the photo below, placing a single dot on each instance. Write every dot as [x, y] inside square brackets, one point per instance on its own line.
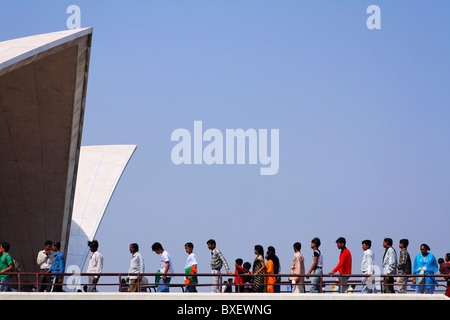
[404, 266]
[317, 265]
[190, 268]
[95, 266]
[58, 266]
[6, 265]
[389, 265]
[345, 264]
[165, 267]
[44, 260]
[217, 261]
[367, 268]
[297, 267]
[136, 267]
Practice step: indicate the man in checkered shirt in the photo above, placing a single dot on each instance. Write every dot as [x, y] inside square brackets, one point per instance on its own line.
[217, 261]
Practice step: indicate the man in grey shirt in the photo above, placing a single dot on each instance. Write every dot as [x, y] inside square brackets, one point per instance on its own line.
[217, 261]
[389, 265]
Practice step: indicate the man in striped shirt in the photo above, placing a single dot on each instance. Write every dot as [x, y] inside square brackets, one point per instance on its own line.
[217, 261]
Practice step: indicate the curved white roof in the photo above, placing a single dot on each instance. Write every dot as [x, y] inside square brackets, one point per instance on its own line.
[43, 85]
[99, 171]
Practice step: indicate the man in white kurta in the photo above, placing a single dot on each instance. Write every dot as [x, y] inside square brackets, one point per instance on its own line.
[367, 268]
[95, 266]
[297, 268]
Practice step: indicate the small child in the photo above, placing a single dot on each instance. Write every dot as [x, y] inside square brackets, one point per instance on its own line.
[248, 278]
[239, 279]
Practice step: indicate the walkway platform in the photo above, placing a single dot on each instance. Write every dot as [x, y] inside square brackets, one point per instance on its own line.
[214, 296]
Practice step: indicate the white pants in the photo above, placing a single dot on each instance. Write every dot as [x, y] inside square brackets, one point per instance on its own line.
[215, 282]
[297, 287]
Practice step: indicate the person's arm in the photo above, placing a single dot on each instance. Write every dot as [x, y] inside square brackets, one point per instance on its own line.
[141, 268]
[166, 269]
[313, 266]
[434, 266]
[402, 260]
[342, 258]
[62, 268]
[41, 258]
[98, 267]
[225, 263]
[370, 264]
[295, 268]
[263, 265]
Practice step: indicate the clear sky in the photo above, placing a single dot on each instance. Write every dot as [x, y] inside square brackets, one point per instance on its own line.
[363, 117]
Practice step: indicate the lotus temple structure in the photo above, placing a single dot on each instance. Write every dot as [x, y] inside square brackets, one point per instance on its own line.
[51, 187]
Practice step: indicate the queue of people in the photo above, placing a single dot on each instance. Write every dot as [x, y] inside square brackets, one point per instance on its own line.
[259, 276]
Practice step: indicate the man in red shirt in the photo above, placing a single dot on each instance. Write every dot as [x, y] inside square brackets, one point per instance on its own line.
[345, 264]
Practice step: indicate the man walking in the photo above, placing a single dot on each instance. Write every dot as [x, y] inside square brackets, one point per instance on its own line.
[165, 267]
[95, 266]
[136, 267]
[58, 266]
[345, 264]
[6, 265]
[316, 267]
[190, 268]
[367, 268]
[44, 261]
[389, 265]
[404, 266]
[297, 267]
[217, 261]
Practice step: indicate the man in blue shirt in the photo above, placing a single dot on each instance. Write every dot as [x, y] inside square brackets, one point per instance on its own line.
[58, 266]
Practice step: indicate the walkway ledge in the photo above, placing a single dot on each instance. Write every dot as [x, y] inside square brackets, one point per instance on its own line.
[213, 297]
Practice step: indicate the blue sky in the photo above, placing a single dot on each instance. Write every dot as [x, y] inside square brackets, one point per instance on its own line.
[363, 117]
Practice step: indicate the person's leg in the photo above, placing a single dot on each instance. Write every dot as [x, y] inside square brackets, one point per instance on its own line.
[402, 284]
[215, 288]
[344, 285]
[163, 285]
[5, 285]
[133, 285]
[294, 287]
[315, 287]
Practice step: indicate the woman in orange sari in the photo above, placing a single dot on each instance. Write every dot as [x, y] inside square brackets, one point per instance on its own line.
[270, 270]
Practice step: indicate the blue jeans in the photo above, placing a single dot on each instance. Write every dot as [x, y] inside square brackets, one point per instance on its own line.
[315, 281]
[5, 284]
[163, 285]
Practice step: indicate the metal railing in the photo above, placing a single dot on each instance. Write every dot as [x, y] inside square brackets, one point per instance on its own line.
[30, 281]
